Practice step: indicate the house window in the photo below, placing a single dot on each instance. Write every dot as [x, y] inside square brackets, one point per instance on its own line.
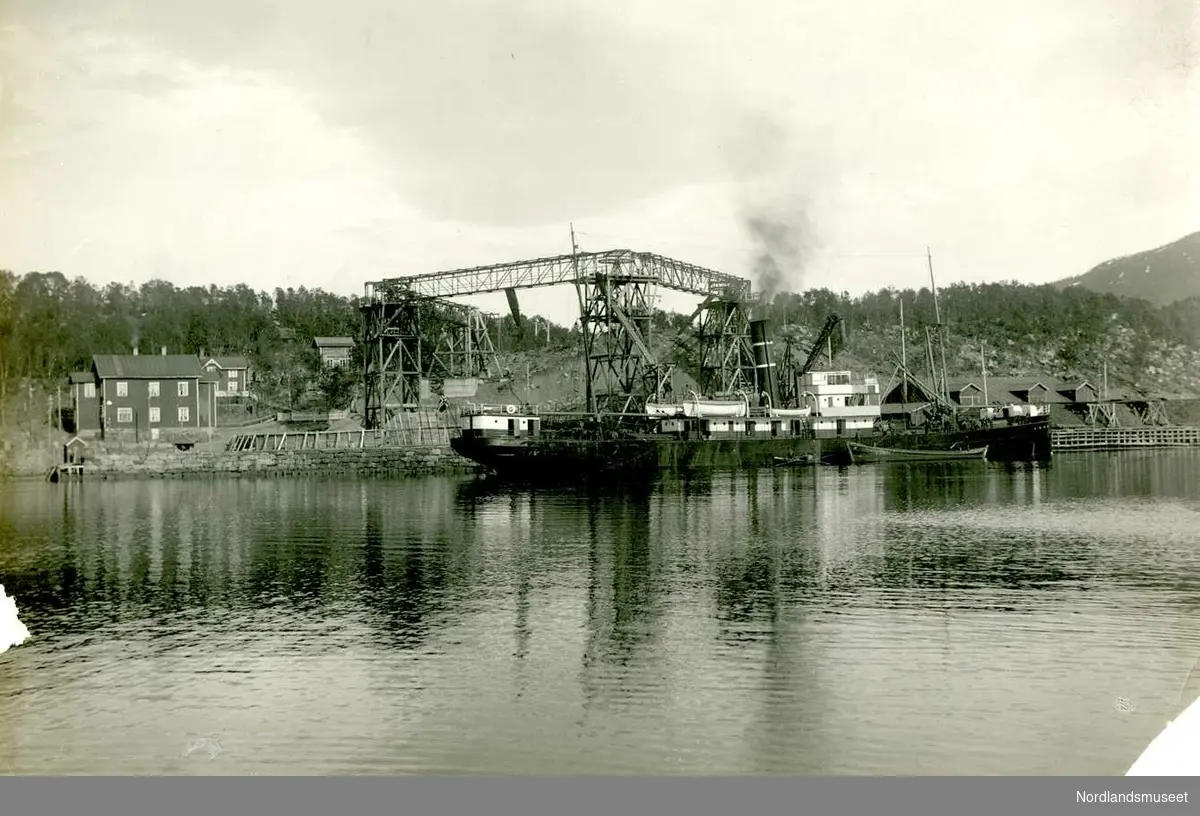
[153, 389]
[124, 415]
[184, 414]
[233, 375]
[182, 390]
[89, 390]
[122, 388]
[154, 414]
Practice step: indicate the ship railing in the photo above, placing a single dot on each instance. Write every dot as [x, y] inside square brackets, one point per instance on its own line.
[524, 409]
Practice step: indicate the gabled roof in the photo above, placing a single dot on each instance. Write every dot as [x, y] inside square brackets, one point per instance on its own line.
[81, 377]
[146, 366]
[333, 342]
[915, 393]
[228, 361]
[1008, 389]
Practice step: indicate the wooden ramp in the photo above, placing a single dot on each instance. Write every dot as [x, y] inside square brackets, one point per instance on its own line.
[415, 430]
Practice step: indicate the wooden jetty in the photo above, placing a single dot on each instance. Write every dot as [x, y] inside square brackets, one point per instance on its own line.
[66, 471]
[1085, 439]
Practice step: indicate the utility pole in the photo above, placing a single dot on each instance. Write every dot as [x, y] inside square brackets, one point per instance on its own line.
[583, 329]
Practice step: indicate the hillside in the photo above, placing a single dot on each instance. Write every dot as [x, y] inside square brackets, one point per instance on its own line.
[50, 325]
[1035, 331]
[1161, 276]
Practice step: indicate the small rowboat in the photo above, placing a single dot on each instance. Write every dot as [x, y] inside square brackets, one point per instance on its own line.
[867, 453]
[794, 461]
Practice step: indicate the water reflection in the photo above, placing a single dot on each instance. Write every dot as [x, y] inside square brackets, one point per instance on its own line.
[869, 619]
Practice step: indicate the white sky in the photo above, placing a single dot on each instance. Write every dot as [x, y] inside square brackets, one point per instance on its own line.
[306, 142]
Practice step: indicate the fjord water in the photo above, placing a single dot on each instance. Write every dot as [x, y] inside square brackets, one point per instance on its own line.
[957, 619]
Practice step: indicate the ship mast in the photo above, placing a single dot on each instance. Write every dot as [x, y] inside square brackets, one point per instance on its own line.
[903, 360]
[941, 333]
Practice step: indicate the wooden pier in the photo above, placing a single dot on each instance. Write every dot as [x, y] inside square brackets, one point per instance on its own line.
[1083, 439]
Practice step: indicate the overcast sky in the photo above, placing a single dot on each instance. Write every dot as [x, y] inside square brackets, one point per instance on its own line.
[289, 142]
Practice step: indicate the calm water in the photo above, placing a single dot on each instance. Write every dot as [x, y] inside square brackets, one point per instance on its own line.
[960, 619]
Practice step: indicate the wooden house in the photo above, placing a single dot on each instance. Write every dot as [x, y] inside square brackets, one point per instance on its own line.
[146, 394]
[1063, 400]
[334, 351]
[232, 375]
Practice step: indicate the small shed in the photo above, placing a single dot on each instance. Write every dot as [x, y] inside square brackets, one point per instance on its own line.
[74, 450]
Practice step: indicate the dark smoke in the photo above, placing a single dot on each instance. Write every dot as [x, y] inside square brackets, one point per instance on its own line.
[773, 166]
[782, 239]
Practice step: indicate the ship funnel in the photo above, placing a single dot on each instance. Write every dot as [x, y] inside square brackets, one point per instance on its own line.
[764, 366]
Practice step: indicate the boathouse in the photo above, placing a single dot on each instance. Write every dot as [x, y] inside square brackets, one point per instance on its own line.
[74, 451]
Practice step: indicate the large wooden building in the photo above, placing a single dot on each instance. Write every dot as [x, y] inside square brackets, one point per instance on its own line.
[142, 395]
[1063, 400]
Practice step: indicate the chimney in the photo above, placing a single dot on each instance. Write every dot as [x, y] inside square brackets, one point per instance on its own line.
[135, 351]
[164, 351]
[764, 366]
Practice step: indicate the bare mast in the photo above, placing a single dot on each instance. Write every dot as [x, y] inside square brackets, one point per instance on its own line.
[903, 360]
[983, 371]
[941, 333]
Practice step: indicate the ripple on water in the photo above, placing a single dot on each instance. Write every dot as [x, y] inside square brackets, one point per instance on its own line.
[868, 621]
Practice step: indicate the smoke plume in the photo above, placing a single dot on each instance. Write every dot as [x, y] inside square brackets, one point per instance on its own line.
[782, 236]
[777, 174]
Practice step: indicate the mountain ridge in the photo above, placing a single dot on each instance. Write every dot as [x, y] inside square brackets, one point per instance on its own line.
[1162, 276]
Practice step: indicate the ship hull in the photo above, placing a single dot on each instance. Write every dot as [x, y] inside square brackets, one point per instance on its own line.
[553, 457]
[561, 459]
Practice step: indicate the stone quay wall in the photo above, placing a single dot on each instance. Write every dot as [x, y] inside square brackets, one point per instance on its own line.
[167, 461]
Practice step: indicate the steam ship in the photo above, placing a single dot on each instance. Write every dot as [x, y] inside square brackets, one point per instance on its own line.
[830, 409]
